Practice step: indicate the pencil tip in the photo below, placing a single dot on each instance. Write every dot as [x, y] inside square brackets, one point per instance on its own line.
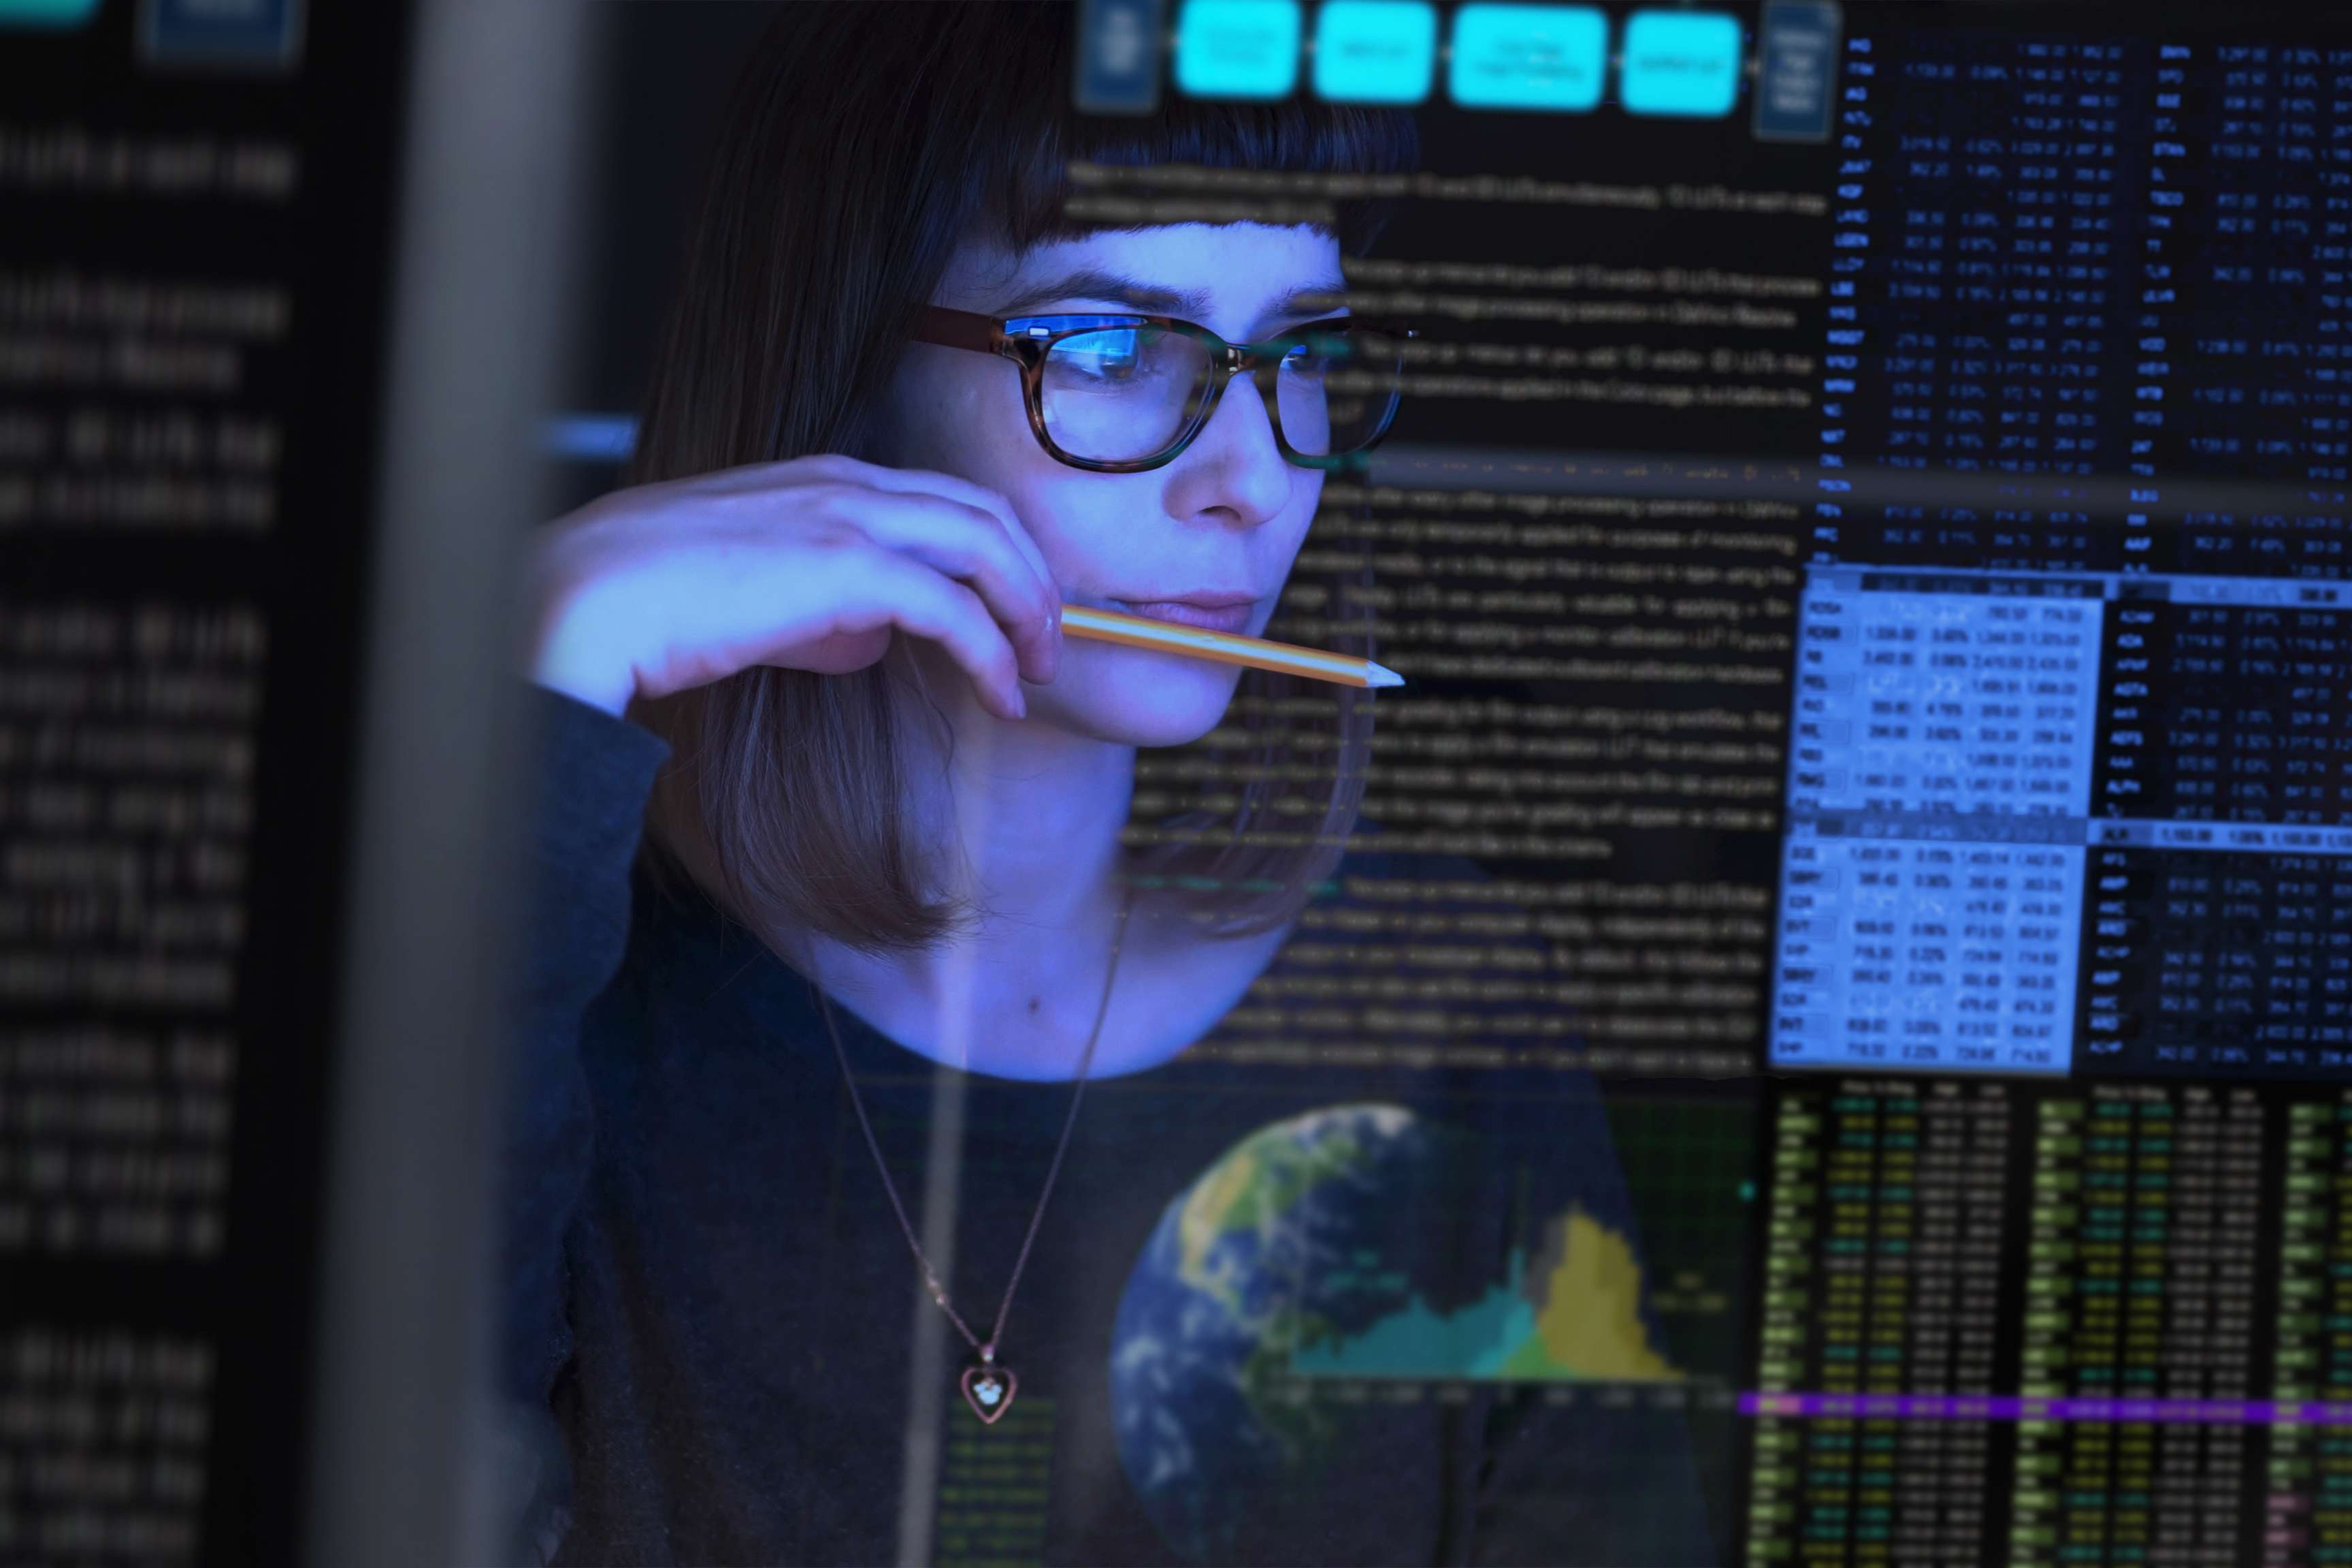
[1383, 676]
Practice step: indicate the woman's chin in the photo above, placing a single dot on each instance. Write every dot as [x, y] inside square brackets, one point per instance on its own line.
[1152, 699]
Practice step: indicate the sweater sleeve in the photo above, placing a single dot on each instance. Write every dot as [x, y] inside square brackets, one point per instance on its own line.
[589, 777]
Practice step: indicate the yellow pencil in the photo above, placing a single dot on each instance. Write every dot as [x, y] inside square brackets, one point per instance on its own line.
[1224, 647]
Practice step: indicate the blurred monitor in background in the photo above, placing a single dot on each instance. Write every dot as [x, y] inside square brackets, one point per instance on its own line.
[279, 286]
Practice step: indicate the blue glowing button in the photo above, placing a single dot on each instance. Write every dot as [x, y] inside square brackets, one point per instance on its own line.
[46, 13]
[1679, 63]
[1795, 70]
[1375, 51]
[237, 34]
[1119, 58]
[1237, 48]
[1529, 57]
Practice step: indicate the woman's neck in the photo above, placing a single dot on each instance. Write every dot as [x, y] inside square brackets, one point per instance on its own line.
[1024, 821]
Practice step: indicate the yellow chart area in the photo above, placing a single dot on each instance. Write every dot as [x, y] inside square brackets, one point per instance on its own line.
[1566, 1311]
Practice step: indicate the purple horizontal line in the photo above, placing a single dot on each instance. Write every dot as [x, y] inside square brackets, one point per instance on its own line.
[2017, 1408]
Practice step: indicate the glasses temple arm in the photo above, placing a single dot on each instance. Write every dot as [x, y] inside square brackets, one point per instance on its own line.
[957, 329]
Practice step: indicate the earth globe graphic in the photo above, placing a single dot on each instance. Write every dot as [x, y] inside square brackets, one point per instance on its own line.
[1264, 1251]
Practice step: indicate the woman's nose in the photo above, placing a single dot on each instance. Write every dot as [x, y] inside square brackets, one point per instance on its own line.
[1234, 464]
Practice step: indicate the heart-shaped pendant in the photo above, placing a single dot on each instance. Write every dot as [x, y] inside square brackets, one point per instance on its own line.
[989, 1391]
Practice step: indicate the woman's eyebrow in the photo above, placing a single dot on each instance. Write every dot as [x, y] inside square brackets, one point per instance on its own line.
[1150, 300]
[1094, 283]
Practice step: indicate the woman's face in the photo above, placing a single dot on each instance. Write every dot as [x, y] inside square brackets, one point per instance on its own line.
[1226, 518]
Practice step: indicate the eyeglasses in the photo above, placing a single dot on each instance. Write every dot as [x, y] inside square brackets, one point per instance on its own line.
[1123, 394]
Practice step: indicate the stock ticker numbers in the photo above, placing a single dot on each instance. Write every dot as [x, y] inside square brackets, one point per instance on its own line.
[1940, 757]
[1884, 1236]
[2218, 913]
[2308, 1488]
[2220, 964]
[2031, 1323]
[2229, 699]
[2056, 1254]
[2139, 1298]
[2070, 785]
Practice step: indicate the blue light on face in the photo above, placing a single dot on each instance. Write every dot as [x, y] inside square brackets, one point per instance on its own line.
[1549, 58]
[1237, 48]
[1375, 51]
[1680, 62]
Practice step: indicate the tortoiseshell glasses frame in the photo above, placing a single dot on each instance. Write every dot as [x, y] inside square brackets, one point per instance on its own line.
[1029, 342]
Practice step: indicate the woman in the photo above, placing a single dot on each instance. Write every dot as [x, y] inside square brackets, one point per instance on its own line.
[887, 907]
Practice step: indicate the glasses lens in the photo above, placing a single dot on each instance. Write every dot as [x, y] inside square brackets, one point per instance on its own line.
[1118, 395]
[1338, 389]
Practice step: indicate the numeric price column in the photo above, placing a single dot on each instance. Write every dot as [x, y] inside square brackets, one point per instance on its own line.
[2308, 1513]
[2139, 1319]
[1882, 1286]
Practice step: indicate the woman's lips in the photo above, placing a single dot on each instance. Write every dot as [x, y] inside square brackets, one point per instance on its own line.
[1225, 618]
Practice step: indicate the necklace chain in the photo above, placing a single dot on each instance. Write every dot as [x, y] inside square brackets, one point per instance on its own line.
[987, 1348]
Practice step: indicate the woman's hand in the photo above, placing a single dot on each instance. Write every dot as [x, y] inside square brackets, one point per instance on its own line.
[803, 564]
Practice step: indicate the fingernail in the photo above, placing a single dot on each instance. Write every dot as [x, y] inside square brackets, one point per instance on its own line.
[1020, 706]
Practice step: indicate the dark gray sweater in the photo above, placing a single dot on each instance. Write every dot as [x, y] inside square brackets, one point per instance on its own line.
[710, 1310]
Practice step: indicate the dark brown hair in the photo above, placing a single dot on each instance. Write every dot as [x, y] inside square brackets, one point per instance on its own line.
[862, 143]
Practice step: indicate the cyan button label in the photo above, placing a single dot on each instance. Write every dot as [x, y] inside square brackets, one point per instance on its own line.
[1680, 62]
[1552, 58]
[1375, 51]
[46, 13]
[1237, 48]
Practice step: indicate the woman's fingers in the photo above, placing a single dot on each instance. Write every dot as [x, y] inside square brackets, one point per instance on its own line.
[907, 593]
[803, 564]
[973, 546]
[832, 469]
[962, 530]
[954, 487]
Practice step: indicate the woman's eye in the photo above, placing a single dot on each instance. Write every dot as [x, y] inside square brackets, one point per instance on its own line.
[1100, 367]
[1311, 361]
[1108, 355]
